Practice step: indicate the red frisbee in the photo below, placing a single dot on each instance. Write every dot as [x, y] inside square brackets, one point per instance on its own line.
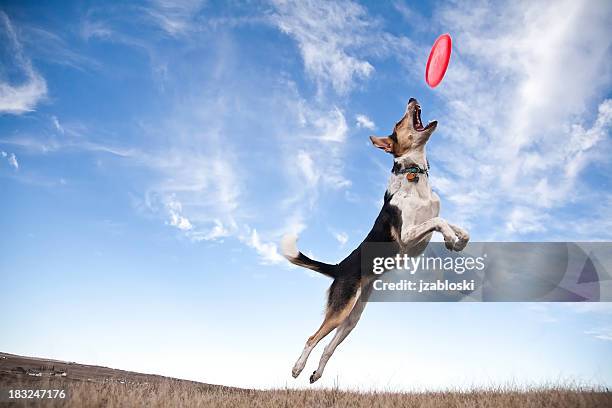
[438, 60]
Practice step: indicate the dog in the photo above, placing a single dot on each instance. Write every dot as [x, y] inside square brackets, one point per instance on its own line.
[408, 218]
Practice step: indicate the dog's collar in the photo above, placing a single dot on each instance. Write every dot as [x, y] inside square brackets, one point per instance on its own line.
[411, 171]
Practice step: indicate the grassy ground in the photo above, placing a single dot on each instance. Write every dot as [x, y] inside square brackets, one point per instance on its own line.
[96, 386]
[180, 394]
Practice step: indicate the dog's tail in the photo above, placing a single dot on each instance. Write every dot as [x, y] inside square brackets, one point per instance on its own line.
[290, 251]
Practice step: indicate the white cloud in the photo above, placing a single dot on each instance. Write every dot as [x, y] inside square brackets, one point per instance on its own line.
[216, 232]
[364, 122]
[175, 209]
[332, 127]
[56, 124]
[329, 35]
[174, 17]
[341, 237]
[595, 227]
[91, 28]
[306, 166]
[409, 14]
[319, 135]
[525, 220]
[11, 159]
[208, 183]
[179, 221]
[518, 148]
[583, 140]
[199, 192]
[18, 98]
[53, 48]
[204, 169]
[177, 19]
[268, 251]
[39, 145]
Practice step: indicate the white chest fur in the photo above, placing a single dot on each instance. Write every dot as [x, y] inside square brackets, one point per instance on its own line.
[415, 200]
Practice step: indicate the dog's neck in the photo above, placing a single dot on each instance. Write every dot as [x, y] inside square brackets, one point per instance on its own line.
[399, 182]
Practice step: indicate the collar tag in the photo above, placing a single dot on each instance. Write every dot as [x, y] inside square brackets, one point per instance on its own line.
[411, 172]
[412, 177]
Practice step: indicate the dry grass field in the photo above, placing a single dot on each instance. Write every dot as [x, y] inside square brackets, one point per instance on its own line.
[105, 387]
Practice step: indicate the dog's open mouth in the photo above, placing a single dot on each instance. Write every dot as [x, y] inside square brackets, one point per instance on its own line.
[416, 120]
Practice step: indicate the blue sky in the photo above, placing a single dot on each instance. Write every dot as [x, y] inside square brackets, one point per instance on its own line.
[153, 154]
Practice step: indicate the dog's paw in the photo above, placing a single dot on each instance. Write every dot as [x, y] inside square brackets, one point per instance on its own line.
[462, 238]
[315, 376]
[296, 371]
[460, 245]
[450, 241]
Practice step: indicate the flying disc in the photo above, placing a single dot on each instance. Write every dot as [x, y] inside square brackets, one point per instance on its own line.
[438, 60]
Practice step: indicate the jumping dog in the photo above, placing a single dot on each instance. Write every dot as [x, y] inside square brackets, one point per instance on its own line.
[408, 219]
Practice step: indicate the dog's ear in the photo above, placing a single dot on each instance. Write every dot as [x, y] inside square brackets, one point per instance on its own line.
[385, 143]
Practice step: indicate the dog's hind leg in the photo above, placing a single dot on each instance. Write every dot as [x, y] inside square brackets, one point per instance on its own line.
[343, 330]
[333, 318]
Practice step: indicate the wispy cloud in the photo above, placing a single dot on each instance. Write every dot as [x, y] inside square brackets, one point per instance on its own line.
[306, 166]
[336, 40]
[57, 124]
[364, 122]
[327, 33]
[601, 333]
[525, 220]
[532, 135]
[268, 251]
[408, 14]
[51, 47]
[183, 20]
[11, 159]
[53, 144]
[204, 171]
[323, 133]
[333, 39]
[21, 94]
[175, 209]
[341, 237]
[212, 162]
[91, 28]
[175, 17]
[196, 178]
[198, 193]
[314, 154]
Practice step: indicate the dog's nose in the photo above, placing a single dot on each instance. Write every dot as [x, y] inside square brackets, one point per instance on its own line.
[411, 100]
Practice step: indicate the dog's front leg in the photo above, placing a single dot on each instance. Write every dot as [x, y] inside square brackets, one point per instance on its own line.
[412, 234]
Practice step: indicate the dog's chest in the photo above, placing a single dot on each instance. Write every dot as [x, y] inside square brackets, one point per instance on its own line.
[416, 207]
